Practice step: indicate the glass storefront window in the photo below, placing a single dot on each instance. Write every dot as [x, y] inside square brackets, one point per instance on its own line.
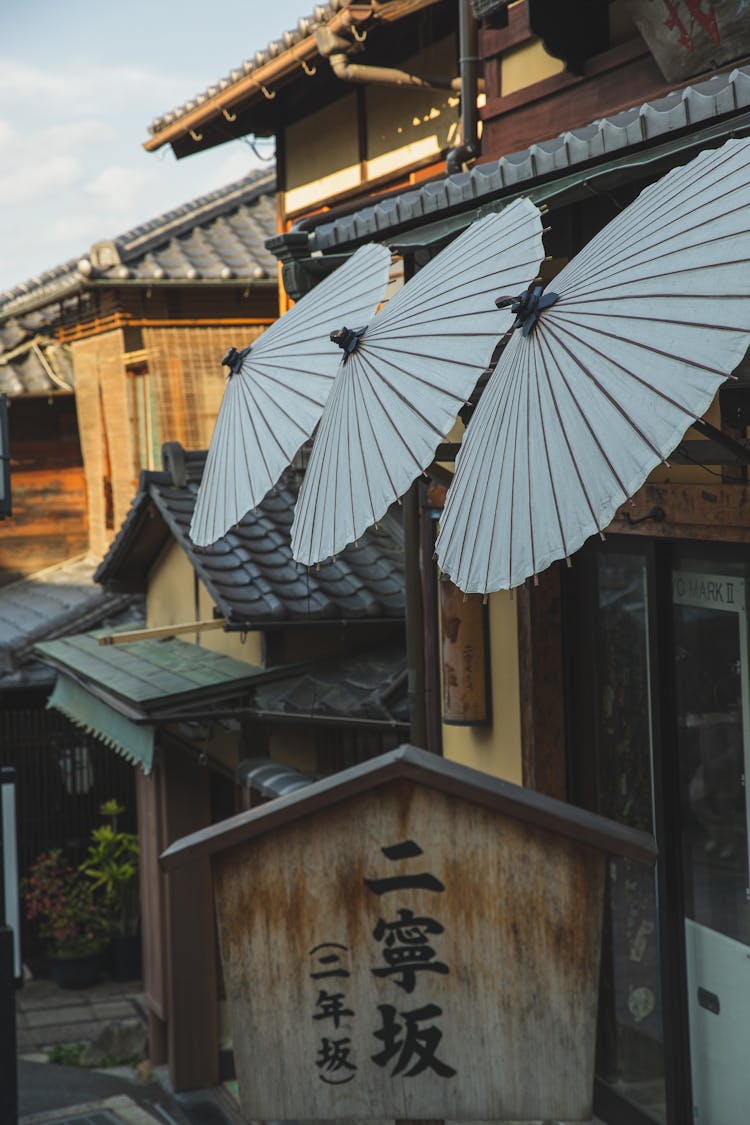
[712, 683]
[613, 704]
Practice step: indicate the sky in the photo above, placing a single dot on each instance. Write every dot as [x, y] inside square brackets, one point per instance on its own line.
[80, 82]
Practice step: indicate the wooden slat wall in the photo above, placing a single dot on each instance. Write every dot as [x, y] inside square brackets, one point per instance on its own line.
[106, 432]
[48, 524]
[48, 493]
[188, 379]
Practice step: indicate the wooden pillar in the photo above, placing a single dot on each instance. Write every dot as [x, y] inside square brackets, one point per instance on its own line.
[179, 946]
[540, 667]
[191, 984]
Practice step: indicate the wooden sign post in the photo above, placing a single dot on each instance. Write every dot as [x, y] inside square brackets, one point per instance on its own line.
[411, 939]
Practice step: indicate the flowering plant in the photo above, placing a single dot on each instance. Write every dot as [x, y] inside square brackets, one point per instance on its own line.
[63, 902]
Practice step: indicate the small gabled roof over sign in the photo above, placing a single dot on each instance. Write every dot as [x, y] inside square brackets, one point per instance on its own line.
[498, 889]
[218, 238]
[250, 572]
[429, 770]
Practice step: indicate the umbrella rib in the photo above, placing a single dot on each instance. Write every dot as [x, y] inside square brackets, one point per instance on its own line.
[602, 264]
[647, 223]
[517, 398]
[360, 445]
[610, 398]
[685, 362]
[389, 348]
[657, 320]
[550, 473]
[471, 447]
[367, 362]
[573, 298]
[567, 442]
[260, 390]
[528, 474]
[366, 369]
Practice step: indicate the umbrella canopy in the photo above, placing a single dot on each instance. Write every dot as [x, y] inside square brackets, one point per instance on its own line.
[600, 385]
[276, 393]
[402, 382]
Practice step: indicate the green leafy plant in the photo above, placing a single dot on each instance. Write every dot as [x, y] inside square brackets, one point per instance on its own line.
[71, 917]
[66, 1054]
[112, 866]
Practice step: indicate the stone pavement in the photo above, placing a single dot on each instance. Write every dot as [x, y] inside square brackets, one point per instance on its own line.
[51, 1094]
[47, 1015]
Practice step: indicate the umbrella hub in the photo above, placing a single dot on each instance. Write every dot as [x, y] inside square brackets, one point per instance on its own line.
[233, 359]
[527, 306]
[348, 339]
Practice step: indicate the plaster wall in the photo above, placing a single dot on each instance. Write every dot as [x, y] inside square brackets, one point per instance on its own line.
[371, 132]
[172, 599]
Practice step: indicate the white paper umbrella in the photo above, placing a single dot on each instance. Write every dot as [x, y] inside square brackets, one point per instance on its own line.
[275, 396]
[398, 391]
[650, 318]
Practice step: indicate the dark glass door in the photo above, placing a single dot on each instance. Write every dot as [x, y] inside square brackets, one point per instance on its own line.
[713, 713]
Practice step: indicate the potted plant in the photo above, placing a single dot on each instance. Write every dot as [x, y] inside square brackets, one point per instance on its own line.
[111, 865]
[71, 918]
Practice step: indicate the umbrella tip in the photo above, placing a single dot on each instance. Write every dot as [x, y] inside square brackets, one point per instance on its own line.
[233, 359]
[347, 338]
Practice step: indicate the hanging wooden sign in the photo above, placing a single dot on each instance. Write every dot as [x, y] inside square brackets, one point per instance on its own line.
[412, 939]
[688, 37]
[465, 657]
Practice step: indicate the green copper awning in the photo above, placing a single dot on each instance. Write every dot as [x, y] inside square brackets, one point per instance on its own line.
[135, 742]
[121, 693]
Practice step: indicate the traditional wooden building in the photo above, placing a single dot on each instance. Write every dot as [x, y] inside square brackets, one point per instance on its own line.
[107, 356]
[622, 683]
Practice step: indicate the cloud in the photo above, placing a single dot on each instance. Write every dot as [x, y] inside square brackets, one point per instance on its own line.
[40, 164]
[83, 88]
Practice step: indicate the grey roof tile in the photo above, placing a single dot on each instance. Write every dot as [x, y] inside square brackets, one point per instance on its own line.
[216, 237]
[56, 601]
[250, 572]
[149, 673]
[305, 27]
[368, 686]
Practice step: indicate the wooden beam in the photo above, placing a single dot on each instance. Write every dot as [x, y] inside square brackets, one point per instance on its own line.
[161, 631]
[716, 513]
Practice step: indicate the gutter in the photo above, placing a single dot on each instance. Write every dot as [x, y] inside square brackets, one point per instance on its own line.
[258, 81]
[336, 49]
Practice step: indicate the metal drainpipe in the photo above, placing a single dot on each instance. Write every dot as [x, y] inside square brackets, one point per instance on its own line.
[468, 61]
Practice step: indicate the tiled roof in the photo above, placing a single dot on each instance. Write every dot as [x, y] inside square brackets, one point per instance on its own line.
[31, 360]
[218, 237]
[692, 107]
[250, 573]
[369, 686]
[297, 46]
[149, 675]
[56, 601]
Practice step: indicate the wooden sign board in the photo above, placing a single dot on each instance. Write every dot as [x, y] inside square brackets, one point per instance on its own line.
[465, 657]
[688, 37]
[411, 943]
